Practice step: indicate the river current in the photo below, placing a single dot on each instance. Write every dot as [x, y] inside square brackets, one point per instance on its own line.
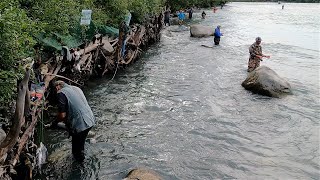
[181, 110]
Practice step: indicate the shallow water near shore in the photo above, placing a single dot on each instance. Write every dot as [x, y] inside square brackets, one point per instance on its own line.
[181, 111]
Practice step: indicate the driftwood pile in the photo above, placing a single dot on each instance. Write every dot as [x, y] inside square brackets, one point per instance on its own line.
[107, 54]
[101, 56]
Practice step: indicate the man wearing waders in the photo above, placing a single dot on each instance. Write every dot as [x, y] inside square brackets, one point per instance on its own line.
[75, 112]
[256, 55]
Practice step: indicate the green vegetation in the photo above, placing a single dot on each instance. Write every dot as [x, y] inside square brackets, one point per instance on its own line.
[288, 1]
[16, 43]
[182, 4]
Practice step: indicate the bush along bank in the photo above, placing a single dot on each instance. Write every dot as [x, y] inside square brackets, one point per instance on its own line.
[63, 57]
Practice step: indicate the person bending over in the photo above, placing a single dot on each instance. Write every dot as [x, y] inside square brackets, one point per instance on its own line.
[76, 113]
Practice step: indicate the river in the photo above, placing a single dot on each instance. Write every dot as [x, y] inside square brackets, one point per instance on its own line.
[181, 110]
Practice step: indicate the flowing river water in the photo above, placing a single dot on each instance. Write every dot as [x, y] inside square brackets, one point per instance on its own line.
[181, 110]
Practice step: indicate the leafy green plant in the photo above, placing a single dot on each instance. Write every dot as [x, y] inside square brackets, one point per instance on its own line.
[16, 30]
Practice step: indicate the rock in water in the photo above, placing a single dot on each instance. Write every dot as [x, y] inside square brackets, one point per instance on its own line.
[265, 81]
[142, 174]
[174, 21]
[41, 155]
[201, 31]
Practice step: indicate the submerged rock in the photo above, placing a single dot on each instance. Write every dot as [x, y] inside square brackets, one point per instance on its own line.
[201, 31]
[265, 81]
[174, 21]
[142, 174]
[60, 164]
[179, 28]
[60, 155]
[166, 33]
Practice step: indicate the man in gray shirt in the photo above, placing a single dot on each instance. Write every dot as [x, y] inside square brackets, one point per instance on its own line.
[76, 113]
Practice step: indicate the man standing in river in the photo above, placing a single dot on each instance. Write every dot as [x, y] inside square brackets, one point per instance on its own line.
[256, 55]
[75, 112]
[217, 35]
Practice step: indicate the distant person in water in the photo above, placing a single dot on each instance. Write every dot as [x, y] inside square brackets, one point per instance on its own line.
[217, 35]
[203, 15]
[190, 11]
[167, 17]
[282, 6]
[181, 17]
[214, 9]
[256, 55]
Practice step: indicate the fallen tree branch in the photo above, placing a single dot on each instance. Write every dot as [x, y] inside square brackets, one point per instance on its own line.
[12, 137]
[56, 75]
[26, 135]
[88, 49]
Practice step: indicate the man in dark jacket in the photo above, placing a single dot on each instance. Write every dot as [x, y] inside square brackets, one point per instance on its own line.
[167, 17]
[75, 112]
[190, 11]
[203, 15]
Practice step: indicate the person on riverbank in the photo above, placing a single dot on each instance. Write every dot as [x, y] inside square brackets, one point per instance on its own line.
[256, 55]
[167, 17]
[217, 35]
[203, 15]
[75, 112]
[181, 17]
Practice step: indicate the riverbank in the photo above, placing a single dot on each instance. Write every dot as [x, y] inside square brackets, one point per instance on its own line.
[103, 55]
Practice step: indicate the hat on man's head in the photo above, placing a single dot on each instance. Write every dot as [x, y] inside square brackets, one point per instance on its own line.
[258, 39]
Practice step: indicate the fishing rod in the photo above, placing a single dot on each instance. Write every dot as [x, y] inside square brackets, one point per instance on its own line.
[49, 74]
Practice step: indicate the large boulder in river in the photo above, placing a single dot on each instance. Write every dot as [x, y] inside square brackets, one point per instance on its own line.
[201, 31]
[265, 81]
[142, 174]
